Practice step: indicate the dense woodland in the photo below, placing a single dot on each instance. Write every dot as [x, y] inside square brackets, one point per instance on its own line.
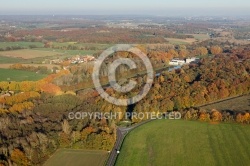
[34, 114]
[159, 54]
[95, 35]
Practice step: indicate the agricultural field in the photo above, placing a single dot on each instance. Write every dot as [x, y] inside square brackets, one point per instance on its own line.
[68, 52]
[18, 75]
[28, 53]
[39, 54]
[237, 104]
[4, 59]
[190, 143]
[77, 158]
[49, 66]
[197, 37]
[200, 37]
[4, 45]
[176, 41]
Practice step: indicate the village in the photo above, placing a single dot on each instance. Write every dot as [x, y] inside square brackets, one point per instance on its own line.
[72, 60]
[81, 59]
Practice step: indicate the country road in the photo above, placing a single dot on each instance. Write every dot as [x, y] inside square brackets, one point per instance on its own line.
[123, 131]
[120, 135]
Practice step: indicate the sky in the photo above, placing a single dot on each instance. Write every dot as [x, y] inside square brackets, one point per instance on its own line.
[130, 7]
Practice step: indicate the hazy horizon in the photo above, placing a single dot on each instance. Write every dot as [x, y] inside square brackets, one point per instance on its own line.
[129, 7]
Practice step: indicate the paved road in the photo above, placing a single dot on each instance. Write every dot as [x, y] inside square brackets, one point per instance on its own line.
[120, 135]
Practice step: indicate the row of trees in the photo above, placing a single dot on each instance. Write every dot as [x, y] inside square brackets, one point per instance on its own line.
[70, 46]
[215, 116]
[38, 69]
[9, 48]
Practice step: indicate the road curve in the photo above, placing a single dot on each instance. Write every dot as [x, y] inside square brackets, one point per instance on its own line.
[123, 131]
[120, 135]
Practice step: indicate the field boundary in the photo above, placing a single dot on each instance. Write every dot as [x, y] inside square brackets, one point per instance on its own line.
[222, 100]
[123, 132]
[70, 151]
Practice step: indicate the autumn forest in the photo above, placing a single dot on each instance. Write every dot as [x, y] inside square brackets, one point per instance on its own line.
[34, 113]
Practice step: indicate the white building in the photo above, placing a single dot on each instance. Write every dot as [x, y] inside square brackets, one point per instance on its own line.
[179, 62]
[176, 62]
[189, 60]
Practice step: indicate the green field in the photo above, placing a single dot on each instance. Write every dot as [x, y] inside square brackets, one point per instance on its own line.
[4, 59]
[28, 53]
[189, 143]
[69, 157]
[68, 52]
[20, 44]
[18, 75]
[180, 41]
[200, 37]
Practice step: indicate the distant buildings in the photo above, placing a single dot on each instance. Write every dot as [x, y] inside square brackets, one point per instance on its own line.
[81, 59]
[193, 59]
[176, 62]
[73, 60]
[180, 62]
[55, 61]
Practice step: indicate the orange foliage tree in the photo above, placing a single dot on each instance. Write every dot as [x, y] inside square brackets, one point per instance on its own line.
[216, 116]
[173, 53]
[50, 88]
[216, 50]
[204, 117]
[19, 158]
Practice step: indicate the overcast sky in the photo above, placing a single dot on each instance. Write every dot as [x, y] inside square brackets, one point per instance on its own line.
[138, 7]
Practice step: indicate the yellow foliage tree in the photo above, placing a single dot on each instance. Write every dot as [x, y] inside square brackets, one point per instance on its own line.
[183, 53]
[19, 107]
[201, 51]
